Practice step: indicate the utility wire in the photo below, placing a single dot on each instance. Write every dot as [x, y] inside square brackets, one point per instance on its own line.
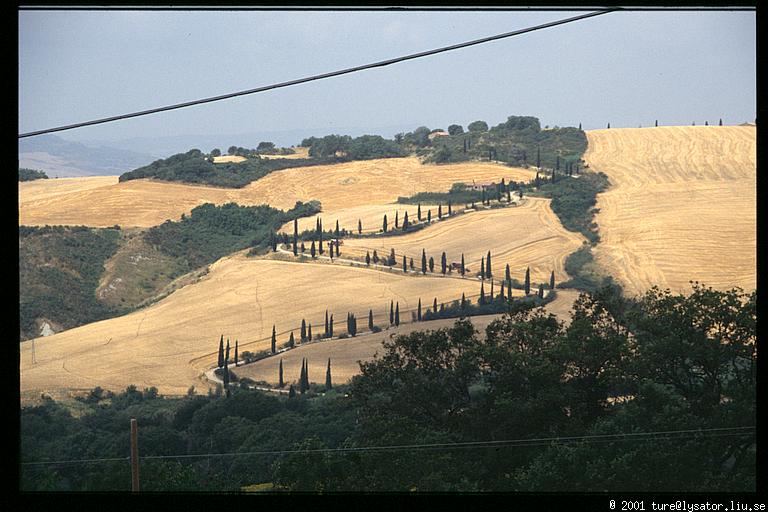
[322, 76]
[600, 438]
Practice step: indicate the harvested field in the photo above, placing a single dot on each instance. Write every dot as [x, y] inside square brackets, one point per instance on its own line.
[145, 203]
[682, 206]
[224, 159]
[529, 235]
[345, 353]
[169, 344]
[300, 153]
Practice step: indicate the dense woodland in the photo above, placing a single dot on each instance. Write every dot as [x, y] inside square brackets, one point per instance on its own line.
[59, 270]
[31, 174]
[679, 367]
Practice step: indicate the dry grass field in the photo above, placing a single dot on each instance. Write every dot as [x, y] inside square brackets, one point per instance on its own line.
[300, 153]
[170, 343]
[682, 205]
[345, 353]
[224, 159]
[145, 203]
[529, 235]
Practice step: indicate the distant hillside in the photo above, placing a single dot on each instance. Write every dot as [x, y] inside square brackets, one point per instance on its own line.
[63, 158]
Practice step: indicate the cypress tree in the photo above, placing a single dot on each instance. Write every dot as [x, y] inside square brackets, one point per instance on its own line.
[541, 291]
[221, 352]
[320, 233]
[309, 332]
[375, 256]
[431, 264]
[291, 392]
[721, 122]
[434, 306]
[384, 224]
[303, 330]
[367, 258]
[488, 273]
[235, 353]
[328, 376]
[482, 268]
[349, 323]
[405, 221]
[295, 237]
[392, 257]
[462, 264]
[273, 242]
[507, 276]
[509, 194]
[359, 227]
[579, 126]
[442, 307]
[706, 123]
[490, 295]
[338, 252]
[429, 215]
[303, 249]
[423, 262]
[552, 280]
[391, 312]
[306, 375]
[502, 291]
[291, 341]
[370, 319]
[509, 292]
[609, 126]
[483, 196]
[330, 327]
[656, 124]
[274, 340]
[520, 192]
[226, 377]
[280, 381]
[557, 165]
[482, 294]
[396, 219]
[463, 301]
[418, 212]
[443, 263]
[527, 286]
[449, 209]
[418, 311]
[405, 264]
[226, 354]
[312, 249]
[397, 314]
[301, 377]
[439, 211]
[537, 183]
[326, 324]
[337, 231]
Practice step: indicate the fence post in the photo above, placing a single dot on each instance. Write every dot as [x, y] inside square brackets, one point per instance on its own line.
[134, 456]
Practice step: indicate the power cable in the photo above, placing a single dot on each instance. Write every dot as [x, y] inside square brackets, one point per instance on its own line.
[321, 76]
[599, 438]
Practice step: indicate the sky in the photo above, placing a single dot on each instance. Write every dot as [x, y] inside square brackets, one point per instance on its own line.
[628, 69]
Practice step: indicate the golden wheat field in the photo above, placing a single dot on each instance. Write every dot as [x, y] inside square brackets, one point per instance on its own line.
[145, 203]
[345, 353]
[682, 206]
[170, 343]
[225, 159]
[529, 235]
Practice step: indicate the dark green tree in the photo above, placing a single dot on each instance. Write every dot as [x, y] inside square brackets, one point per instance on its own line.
[418, 311]
[359, 227]
[236, 353]
[337, 232]
[429, 215]
[291, 392]
[221, 352]
[488, 272]
[443, 263]
[439, 212]
[303, 334]
[367, 258]
[274, 340]
[320, 235]
[397, 314]
[431, 264]
[541, 291]
[328, 376]
[482, 268]
[291, 341]
[418, 212]
[375, 256]
[481, 301]
[405, 221]
[326, 335]
[527, 285]
[295, 237]
[396, 219]
[330, 327]
[462, 264]
[312, 249]
[507, 275]
[405, 264]
[391, 312]
[309, 332]
[449, 209]
[370, 319]
[423, 261]
[280, 381]
[552, 280]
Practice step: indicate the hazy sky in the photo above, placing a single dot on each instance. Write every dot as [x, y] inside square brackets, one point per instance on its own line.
[626, 68]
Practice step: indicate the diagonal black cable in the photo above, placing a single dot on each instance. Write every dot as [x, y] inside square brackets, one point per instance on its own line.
[320, 77]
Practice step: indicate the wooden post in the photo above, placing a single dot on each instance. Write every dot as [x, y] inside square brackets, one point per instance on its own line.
[134, 456]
